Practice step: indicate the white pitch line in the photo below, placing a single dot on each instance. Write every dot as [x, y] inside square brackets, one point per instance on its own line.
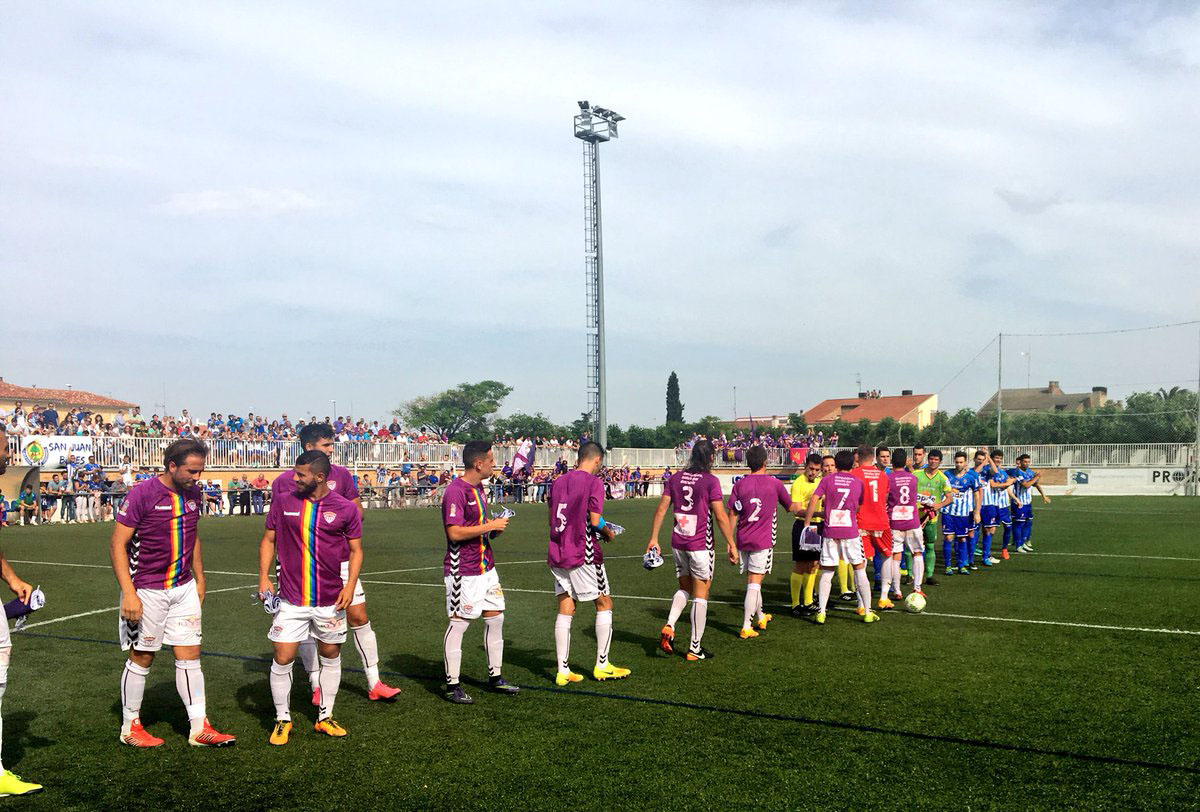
[933, 614]
[1119, 555]
[109, 567]
[115, 608]
[363, 575]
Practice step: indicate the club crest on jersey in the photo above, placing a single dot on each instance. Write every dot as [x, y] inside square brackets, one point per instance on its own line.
[191, 505]
[332, 483]
[329, 516]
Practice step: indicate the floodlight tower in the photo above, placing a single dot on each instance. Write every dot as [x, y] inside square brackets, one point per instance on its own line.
[593, 126]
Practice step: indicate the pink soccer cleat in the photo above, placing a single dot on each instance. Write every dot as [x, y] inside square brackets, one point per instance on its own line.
[383, 692]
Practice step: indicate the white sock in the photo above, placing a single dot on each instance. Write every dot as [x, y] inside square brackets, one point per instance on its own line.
[368, 650]
[603, 636]
[864, 587]
[133, 687]
[885, 583]
[452, 649]
[189, 682]
[308, 659]
[562, 641]
[329, 677]
[281, 689]
[3, 686]
[493, 643]
[751, 603]
[678, 604]
[699, 617]
[918, 570]
[824, 585]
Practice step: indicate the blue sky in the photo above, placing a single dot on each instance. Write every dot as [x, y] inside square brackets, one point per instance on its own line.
[269, 206]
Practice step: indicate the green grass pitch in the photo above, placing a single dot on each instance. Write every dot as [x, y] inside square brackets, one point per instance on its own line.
[957, 708]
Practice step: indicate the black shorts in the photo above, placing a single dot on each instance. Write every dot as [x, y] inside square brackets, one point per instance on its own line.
[797, 553]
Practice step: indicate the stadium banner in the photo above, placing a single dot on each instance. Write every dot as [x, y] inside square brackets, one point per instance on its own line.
[798, 455]
[524, 457]
[51, 452]
[1162, 481]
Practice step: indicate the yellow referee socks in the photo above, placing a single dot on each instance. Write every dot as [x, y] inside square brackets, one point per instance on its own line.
[844, 576]
[796, 579]
[810, 583]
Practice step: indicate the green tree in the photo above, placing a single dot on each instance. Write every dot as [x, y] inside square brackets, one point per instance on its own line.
[796, 423]
[674, 405]
[617, 437]
[460, 413]
[520, 424]
[581, 426]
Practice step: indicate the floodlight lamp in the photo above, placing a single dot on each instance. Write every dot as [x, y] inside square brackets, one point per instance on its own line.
[602, 111]
[583, 105]
[615, 116]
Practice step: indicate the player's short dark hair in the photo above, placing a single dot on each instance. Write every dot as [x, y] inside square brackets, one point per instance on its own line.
[879, 449]
[979, 453]
[590, 450]
[937, 452]
[899, 458]
[997, 453]
[702, 457]
[756, 457]
[178, 451]
[812, 459]
[830, 457]
[918, 445]
[1023, 457]
[310, 434]
[962, 454]
[475, 451]
[844, 459]
[318, 461]
[865, 453]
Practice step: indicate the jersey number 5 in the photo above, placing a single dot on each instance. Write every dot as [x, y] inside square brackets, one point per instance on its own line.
[561, 515]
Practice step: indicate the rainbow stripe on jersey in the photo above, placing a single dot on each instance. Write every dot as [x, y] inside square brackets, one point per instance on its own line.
[482, 519]
[175, 568]
[308, 554]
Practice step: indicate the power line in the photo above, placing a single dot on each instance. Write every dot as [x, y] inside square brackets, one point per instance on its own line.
[1105, 332]
[964, 369]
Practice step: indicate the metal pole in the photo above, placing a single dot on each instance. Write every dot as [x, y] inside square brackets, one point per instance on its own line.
[1196, 457]
[735, 403]
[602, 401]
[999, 383]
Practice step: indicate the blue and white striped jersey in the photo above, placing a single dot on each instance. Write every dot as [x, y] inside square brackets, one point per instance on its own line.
[1022, 491]
[964, 493]
[994, 496]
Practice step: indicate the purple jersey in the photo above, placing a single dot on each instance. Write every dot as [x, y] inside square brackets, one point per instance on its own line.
[692, 496]
[753, 499]
[572, 539]
[464, 505]
[902, 501]
[340, 481]
[843, 494]
[311, 542]
[164, 533]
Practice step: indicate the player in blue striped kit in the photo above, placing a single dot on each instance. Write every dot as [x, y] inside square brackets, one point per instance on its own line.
[958, 515]
[1025, 479]
[997, 497]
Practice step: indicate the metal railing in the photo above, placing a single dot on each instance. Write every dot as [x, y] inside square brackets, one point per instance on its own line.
[146, 452]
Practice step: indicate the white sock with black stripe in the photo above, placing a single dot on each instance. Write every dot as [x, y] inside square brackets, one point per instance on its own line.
[189, 682]
[281, 689]
[603, 636]
[562, 641]
[452, 648]
[751, 604]
[330, 679]
[368, 650]
[133, 687]
[493, 643]
[699, 618]
[678, 604]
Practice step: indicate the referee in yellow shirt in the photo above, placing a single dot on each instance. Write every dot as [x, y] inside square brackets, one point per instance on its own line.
[806, 547]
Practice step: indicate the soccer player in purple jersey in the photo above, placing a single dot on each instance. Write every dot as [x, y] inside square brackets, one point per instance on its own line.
[469, 570]
[10, 782]
[577, 561]
[905, 517]
[842, 495]
[155, 553]
[752, 507]
[319, 437]
[310, 530]
[696, 496]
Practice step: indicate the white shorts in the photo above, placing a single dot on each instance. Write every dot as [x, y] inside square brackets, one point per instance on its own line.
[835, 550]
[913, 540]
[169, 617]
[756, 561]
[360, 597]
[583, 583]
[294, 624]
[5, 651]
[469, 596]
[696, 563]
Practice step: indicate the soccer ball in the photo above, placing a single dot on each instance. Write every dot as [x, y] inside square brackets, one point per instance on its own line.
[915, 603]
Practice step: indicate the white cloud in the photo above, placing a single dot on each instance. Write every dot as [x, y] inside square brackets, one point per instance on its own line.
[260, 202]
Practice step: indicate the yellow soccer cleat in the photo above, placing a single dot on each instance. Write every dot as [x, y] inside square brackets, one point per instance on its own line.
[761, 623]
[562, 679]
[329, 728]
[746, 634]
[281, 731]
[819, 619]
[610, 671]
[884, 603]
[11, 784]
[870, 617]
